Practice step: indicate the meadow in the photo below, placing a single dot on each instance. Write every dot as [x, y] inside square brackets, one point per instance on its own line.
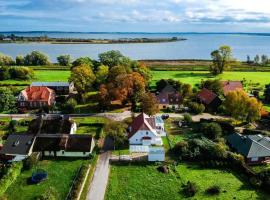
[131, 182]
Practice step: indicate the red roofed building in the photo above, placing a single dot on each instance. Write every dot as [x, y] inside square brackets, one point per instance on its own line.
[145, 130]
[209, 99]
[229, 86]
[36, 97]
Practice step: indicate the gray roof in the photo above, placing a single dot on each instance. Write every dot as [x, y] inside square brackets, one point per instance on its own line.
[17, 144]
[251, 145]
[51, 84]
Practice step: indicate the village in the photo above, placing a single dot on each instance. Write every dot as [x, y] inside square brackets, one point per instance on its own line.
[109, 118]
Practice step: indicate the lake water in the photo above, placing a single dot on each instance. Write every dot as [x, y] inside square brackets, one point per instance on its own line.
[197, 46]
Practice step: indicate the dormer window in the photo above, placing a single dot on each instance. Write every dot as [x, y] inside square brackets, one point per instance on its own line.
[16, 143]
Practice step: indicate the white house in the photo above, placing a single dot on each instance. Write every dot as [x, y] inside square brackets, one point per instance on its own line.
[146, 131]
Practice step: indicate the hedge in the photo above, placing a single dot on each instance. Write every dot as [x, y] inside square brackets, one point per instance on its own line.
[12, 173]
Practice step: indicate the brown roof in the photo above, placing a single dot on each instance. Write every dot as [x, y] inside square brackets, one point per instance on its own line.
[36, 93]
[142, 122]
[72, 143]
[206, 96]
[169, 95]
[229, 86]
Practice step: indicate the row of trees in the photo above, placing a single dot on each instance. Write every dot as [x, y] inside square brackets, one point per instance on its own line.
[258, 60]
[19, 73]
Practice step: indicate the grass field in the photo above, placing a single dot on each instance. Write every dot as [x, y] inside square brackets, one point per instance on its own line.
[195, 77]
[132, 182]
[60, 176]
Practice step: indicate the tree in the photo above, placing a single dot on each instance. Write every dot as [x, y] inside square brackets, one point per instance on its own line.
[266, 92]
[145, 72]
[186, 90]
[69, 106]
[6, 60]
[116, 71]
[21, 73]
[116, 130]
[149, 104]
[211, 130]
[248, 59]
[196, 108]
[215, 86]
[19, 60]
[264, 59]
[222, 59]
[4, 73]
[7, 100]
[64, 60]
[240, 106]
[36, 58]
[102, 74]
[257, 59]
[83, 77]
[82, 61]
[111, 58]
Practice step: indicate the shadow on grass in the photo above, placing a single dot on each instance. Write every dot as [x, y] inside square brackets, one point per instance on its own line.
[191, 74]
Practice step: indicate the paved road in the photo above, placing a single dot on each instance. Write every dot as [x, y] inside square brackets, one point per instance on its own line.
[97, 188]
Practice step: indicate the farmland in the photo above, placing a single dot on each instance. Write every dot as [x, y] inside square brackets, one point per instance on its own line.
[145, 182]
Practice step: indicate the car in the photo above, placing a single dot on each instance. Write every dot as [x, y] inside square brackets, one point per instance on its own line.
[165, 116]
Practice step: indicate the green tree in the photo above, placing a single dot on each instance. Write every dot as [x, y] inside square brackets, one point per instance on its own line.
[117, 131]
[145, 72]
[83, 61]
[7, 100]
[266, 91]
[6, 60]
[83, 78]
[111, 58]
[264, 59]
[69, 106]
[64, 60]
[257, 59]
[211, 130]
[149, 104]
[4, 73]
[222, 58]
[215, 86]
[19, 60]
[36, 58]
[21, 73]
[102, 74]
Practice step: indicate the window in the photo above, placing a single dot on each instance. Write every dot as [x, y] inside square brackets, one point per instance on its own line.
[255, 159]
[84, 153]
[146, 132]
[63, 152]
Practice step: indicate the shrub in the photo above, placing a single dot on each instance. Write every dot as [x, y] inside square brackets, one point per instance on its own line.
[213, 190]
[6, 60]
[187, 118]
[196, 108]
[181, 148]
[211, 130]
[64, 60]
[12, 126]
[22, 73]
[30, 162]
[190, 189]
[19, 60]
[4, 73]
[69, 106]
[12, 173]
[49, 194]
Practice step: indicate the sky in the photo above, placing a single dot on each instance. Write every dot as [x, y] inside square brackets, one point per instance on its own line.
[135, 15]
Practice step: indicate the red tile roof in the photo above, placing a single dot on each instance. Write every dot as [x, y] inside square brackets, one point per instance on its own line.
[206, 96]
[229, 86]
[36, 93]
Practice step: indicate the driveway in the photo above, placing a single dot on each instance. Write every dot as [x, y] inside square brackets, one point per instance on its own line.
[97, 188]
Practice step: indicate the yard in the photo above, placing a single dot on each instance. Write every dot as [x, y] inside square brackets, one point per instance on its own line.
[60, 177]
[145, 182]
[195, 77]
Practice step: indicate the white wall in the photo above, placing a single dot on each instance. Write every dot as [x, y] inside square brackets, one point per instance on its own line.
[156, 157]
[137, 137]
[67, 154]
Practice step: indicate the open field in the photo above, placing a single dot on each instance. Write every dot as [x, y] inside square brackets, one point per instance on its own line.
[60, 176]
[195, 77]
[145, 182]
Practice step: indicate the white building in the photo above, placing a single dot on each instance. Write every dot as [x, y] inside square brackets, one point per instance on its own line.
[146, 131]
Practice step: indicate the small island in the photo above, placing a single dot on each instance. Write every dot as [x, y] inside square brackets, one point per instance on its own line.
[45, 39]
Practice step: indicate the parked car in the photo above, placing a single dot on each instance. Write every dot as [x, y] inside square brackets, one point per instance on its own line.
[165, 116]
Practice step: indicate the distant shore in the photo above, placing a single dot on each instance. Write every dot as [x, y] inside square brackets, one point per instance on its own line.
[44, 39]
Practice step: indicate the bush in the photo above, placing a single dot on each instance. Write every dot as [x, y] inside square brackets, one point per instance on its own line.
[36, 58]
[49, 194]
[211, 130]
[181, 148]
[64, 60]
[12, 173]
[69, 106]
[190, 189]
[6, 60]
[196, 108]
[30, 162]
[19, 60]
[187, 118]
[4, 73]
[21, 73]
[213, 190]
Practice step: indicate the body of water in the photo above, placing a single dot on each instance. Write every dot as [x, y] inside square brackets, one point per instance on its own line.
[197, 46]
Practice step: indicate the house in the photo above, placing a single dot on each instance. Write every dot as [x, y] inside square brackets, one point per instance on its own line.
[64, 145]
[52, 124]
[255, 148]
[146, 130]
[229, 86]
[169, 97]
[18, 146]
[60, 88]
[209, 99]
[36, 97]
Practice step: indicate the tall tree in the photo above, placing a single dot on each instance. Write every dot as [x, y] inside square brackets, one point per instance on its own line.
[264, 59]
[213, 85]
[64, 60]
[7, 100]
[83, 77]
[102, 74]
[222, 59]
[257, 59]
[82, 61]
[149, 104]
[111, 58]
[267, 93]
[36, 58]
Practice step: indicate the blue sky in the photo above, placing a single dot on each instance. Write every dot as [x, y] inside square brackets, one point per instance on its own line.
[135, 15]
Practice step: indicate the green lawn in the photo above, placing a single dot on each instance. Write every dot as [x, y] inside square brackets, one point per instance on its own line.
[60, 176]
[145, 182]
[43, 75]
[195, 77]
